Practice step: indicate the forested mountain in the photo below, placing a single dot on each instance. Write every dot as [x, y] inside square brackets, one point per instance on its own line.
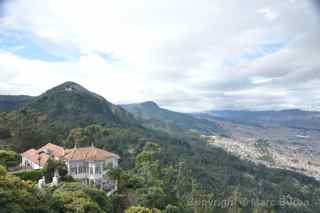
[157, 170]
[12, 102]
[169, 121]
[50, 116]
[70, 102]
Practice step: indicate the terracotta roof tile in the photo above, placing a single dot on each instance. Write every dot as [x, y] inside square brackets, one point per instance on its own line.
[88, 153]
[83, 153]
[35, 156]
[55, 150]
[29, 153]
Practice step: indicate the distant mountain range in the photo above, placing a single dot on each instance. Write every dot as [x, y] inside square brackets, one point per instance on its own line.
[294, 118]
[287, 126]
[12, 102]
[70, 105]
[68, 102]
[200, 169]
[155, 117]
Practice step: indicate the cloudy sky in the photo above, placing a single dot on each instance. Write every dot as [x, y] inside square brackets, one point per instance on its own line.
[187, 55]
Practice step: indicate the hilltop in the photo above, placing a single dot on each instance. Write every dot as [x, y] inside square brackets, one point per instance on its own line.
[50, 116]
[70, 102]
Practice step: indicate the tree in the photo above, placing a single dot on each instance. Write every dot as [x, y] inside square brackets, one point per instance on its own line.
[76, 136]
[147, 165]
[96, 132]
[118, 174]
[151, 179]
[4, 133]
[139, 209]
[3, 171]
[20, 196]
[9, 158]
[85, 136]
[53, 166]
[239, 202]
[172, 209]
[77, 198]
[153, 197]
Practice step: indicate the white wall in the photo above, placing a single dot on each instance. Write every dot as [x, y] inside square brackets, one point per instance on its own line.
[28, 163]
[92, 164]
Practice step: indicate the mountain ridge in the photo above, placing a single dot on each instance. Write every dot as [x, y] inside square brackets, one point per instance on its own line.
[51, 115]
[191, 169]
[72, 98]
[152, 115]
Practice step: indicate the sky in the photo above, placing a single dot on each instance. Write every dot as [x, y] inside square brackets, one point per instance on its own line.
[187, 55]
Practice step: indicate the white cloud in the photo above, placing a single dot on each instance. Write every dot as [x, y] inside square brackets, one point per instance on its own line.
[268, 14]
[187, 55]
[92, 71]
[260, 80]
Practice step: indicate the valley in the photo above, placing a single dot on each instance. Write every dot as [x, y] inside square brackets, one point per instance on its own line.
[198, 106]
[289, 157]
[290, 137]
[167, 158]
[287, 139]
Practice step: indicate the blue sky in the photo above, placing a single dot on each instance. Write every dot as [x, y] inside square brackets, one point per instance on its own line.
[186, 55]
[26, 45]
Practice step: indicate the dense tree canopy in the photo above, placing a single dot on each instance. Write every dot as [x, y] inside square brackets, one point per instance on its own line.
[160, 172]
[139, 209]
[9, 158]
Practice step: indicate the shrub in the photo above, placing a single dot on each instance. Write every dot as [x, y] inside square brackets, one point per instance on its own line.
[3, 171]
[33, 175]
[172, 209]
[67, 178]
[139, 209]
[9, 158]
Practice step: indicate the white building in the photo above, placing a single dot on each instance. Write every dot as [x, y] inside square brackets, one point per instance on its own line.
[90, 165]
[86, 164]
[37, 159]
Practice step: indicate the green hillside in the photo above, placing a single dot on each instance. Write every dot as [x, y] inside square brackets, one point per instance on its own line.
[157, 170]
[169, 121]
[50, 116]
[72, 103]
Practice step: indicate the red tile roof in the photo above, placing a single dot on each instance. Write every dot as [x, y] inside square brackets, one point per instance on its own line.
[36, 157]
[29, 153]
[43, 153]
[88, 153]
[54, 150]
[83, 153]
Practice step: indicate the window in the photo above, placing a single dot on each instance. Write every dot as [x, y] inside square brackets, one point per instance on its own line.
[73, 170]
[98, 170]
